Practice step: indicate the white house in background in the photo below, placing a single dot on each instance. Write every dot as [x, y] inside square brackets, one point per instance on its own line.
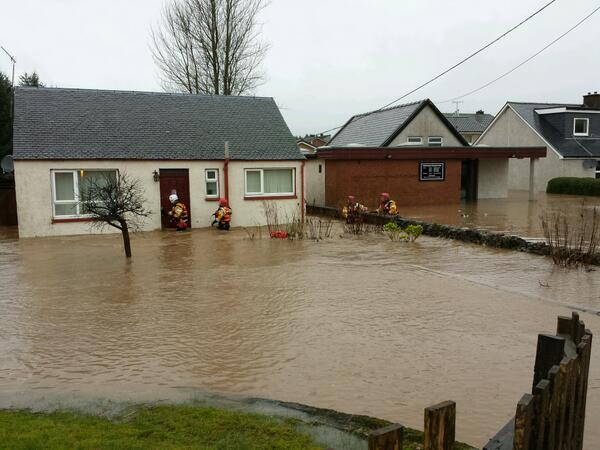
[571, 132]
[65, 137]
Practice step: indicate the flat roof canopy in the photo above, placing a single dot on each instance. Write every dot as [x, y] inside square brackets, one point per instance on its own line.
[429, 152]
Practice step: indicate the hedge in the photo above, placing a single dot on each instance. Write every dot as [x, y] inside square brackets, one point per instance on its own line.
[574, 186]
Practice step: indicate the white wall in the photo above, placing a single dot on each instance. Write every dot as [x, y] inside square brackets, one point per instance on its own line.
[315, 182]
[492, 179]
[34, 193]
[509, 130]
[425, 124]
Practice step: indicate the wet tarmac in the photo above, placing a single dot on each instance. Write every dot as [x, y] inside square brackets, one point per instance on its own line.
[363, 325]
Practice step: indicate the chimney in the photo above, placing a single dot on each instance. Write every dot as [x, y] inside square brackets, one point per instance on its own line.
[592, 100]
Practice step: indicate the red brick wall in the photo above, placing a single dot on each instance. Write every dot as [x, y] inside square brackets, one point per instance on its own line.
[366, 179]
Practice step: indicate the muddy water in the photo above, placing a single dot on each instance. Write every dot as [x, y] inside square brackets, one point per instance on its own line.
[363, 326]
[514, 214]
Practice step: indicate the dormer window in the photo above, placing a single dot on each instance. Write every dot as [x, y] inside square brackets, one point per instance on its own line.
[581, 127]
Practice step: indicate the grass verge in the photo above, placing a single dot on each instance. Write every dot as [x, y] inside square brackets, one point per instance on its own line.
[158, 427]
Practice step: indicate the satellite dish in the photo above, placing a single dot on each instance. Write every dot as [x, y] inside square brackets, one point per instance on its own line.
[7, 164]
[589, 163]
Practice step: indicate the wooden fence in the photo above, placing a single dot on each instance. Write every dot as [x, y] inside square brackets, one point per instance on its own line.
[552, 417]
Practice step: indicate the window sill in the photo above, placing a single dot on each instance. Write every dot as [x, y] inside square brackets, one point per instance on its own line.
[270, 197]
[73, 219]
[211, 199]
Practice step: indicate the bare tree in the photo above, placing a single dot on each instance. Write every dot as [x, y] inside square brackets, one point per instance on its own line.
[115, 200]
[210, 46]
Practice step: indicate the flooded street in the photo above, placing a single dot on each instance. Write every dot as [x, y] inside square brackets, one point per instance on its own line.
[360, 325]
[514, 214]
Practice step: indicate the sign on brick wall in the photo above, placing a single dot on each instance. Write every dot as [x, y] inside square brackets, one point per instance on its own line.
[432, 171]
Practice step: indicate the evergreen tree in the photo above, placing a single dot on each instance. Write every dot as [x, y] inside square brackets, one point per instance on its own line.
[32, 80]
[5, 115]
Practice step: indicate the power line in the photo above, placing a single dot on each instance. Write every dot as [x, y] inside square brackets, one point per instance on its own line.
[526, 60]
[464, 60]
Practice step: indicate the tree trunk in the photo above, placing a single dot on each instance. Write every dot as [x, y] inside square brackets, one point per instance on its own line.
[126, 241]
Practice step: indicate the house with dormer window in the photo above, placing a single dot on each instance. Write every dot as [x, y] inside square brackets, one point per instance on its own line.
[570, 132]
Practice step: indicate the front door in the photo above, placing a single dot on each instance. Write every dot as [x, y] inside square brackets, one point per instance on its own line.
[177, 180]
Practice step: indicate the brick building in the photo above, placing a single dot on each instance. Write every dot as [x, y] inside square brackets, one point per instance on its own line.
[413, 152]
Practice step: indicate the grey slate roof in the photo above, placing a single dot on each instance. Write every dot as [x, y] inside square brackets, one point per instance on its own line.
[557, 128]
[373, 129]
[57, 123]
[469, 123]
[379, 128]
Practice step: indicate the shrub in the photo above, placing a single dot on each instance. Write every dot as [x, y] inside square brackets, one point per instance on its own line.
[574, 186]
[573, 241]
[396, 233]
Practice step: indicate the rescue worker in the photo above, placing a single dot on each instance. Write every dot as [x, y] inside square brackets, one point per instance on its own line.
[178, 213]
[353, 210]
[223, 215]
[387, 205]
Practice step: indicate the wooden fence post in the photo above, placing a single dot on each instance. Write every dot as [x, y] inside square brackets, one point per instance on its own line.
[550, 350]
[523, 423]
[440, 423]
[387, 438]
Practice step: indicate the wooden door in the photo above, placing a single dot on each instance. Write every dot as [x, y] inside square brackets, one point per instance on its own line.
[174, 180]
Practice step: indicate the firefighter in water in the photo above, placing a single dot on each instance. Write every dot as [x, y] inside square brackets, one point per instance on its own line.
[386, 205]
[178, 213]
[353, 210]
[223, 215]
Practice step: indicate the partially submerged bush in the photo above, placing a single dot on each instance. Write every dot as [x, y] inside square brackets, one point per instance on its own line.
[574, 186]
[573, 241]
[396, 233]
[318, 228]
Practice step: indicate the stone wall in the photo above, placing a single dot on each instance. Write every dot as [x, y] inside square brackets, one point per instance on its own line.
[470, 235]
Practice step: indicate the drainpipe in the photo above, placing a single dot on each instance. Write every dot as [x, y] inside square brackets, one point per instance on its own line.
[302, 206]
[226, 171]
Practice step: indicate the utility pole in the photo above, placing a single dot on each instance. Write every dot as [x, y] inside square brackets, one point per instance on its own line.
[12, 83]
[14, 61]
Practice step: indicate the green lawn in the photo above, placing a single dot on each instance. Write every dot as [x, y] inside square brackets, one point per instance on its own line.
[160, 427]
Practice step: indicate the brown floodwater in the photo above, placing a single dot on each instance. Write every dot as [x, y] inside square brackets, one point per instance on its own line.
[514, 214]
[364, 325]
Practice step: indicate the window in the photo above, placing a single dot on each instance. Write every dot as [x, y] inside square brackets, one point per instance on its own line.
[435, 141]
[275, 182]
[320, 168]
[69, 186]
[598, 170]
[581, 127]
[415, 140]
[211, 177]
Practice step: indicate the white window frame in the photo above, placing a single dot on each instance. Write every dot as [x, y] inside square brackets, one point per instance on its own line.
[587, 126]
[414, 141]
[441, 143]
[66, 202]
[262, 192]
[77, 199]
[211, 180]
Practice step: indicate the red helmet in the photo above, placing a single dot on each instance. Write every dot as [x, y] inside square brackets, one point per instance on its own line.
[351, 199]
[222, 202]
[385, 197]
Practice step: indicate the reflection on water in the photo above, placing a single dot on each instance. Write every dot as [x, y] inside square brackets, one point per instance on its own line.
[360, 325]
[514, 215]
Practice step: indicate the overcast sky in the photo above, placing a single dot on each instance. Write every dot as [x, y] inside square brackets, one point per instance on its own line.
[328, 59]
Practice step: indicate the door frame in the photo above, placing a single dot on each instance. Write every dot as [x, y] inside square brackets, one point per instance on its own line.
[182, 192]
